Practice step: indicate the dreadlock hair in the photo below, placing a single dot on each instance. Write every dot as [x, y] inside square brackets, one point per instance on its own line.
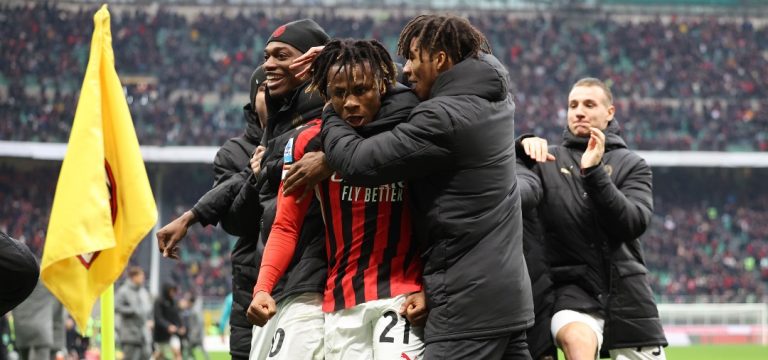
[452, 34]
[346, 53]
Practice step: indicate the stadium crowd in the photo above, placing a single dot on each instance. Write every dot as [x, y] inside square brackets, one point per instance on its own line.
[710, 251]
[679, 86]
[25, 210]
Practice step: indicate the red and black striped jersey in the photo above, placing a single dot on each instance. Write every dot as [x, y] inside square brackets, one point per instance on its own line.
[371, 252]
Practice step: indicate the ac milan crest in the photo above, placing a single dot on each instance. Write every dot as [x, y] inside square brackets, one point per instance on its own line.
[279, 31]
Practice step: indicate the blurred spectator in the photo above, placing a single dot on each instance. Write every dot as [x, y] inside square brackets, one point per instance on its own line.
[134, 306]
[192, 318]
[693, 83]
[168, 328]
[39, 326]
[77, 345]
[707, 240]
[5, 337]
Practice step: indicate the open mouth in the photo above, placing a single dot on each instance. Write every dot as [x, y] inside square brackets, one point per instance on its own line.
[355, 120]
[274, 80]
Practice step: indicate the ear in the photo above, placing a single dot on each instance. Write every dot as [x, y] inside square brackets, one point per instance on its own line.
[443, 61]
[611, 112]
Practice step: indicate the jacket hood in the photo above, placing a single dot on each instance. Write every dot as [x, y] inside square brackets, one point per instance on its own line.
[253, 129]
[483, 76]
[297, 108]
[395, 108]
[166, 291]
[613, 138]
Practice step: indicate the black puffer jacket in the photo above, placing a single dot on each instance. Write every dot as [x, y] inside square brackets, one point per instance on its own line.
[18, 269]
[308, 269]
[539, 337]
[457, 151]
[231, 169]
[593, 221]
[166, 313]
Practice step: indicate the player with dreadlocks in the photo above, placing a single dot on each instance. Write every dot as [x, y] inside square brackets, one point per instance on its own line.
[457, 154]
[374, 269]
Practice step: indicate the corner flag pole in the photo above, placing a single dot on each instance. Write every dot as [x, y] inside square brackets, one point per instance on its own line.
[108, 323]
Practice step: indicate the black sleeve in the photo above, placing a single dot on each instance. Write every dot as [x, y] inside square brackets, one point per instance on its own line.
[161, 318]
[19, 271]
[529, 186]
[522, 157]
[411, 150]
[223, 165]
[626, 210]
[228, 179]
[245, 208]
[214, 205]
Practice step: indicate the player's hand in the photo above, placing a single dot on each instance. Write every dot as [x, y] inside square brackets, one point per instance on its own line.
[595, 149]
[172, 329]
[304, 61]
[415, 308]
[537, 149]
[170, 235]
[262, 309]
[258, 154]
[306, 173]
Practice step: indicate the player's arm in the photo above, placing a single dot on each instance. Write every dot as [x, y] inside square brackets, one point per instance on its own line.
[412, 149]
[277, 256]
[282, 240]
[529, 186]
[228, 179]
[211, 207]
[625, 211]
[279, 250]
[244, 212]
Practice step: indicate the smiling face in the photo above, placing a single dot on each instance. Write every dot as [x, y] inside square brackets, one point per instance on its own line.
[422, 69]
[588, 106]
[280, 79]
[357, 98]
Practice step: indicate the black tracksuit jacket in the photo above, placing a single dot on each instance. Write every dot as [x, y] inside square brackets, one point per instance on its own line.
[231, 168]
[457, 152]
[539, 336]
[593, 220]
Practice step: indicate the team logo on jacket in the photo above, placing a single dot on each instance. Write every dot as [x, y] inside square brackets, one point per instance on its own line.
[565, 171]
[336, 177]
[279, 31]
[608, 169]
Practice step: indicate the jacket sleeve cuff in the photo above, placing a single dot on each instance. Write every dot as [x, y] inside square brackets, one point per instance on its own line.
[200, 216]
[595, 178]
[520, 151]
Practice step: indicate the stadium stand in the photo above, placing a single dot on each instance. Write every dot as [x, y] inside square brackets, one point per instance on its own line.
[688, 83]
[699, 249]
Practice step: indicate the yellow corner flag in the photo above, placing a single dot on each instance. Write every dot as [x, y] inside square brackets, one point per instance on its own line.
[103, 205]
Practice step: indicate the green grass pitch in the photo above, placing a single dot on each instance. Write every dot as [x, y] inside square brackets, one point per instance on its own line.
[696, 352]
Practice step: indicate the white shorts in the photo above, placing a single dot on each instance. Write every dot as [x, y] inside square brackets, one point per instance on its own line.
[295, 332]
[373, 330]
[596, 323]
